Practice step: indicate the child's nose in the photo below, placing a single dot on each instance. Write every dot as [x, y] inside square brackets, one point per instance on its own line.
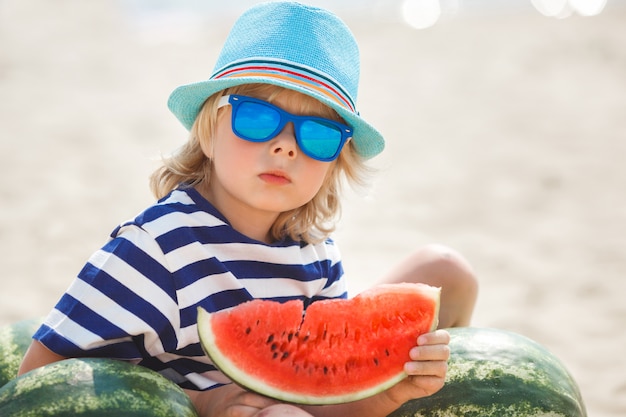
[285, 142]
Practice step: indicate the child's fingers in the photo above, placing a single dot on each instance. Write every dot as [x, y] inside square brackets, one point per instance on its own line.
[430, 353]
[427, 368]
[434, 338]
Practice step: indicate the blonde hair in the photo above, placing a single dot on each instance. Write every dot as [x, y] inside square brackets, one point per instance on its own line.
[188, 166]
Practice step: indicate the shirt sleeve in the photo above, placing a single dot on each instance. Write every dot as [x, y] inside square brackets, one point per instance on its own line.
[122, 304]
[335, 284]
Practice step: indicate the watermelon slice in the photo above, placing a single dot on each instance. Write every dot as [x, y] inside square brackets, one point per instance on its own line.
[336, 351]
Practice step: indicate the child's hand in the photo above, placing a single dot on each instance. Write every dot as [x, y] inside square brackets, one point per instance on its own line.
[228, 401]
[233, 401]
[427, 371]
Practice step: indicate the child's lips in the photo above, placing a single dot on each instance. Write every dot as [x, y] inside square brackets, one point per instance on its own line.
[275, 177]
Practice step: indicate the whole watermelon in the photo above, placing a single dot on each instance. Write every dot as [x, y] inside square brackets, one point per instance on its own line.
[14, 340]
[93, 388]
[496, 373]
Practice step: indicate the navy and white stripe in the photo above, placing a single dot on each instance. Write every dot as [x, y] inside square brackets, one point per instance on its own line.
[136, 298]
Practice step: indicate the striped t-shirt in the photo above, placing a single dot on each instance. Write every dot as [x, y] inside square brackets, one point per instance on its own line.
[136, 299]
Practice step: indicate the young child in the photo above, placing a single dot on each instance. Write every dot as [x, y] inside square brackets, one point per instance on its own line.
[245, 210]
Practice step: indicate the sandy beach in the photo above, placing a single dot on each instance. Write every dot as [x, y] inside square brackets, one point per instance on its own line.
[506, 140]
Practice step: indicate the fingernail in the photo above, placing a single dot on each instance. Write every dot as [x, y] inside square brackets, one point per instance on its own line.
[410, 367]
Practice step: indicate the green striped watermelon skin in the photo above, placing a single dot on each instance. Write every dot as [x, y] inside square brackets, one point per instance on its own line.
[14, 341]
[93, 388]
[496, 373]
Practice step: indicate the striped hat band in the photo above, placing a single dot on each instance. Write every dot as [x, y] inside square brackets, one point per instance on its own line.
[292, 73]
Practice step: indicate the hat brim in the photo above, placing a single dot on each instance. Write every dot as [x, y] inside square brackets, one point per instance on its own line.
[186, 101]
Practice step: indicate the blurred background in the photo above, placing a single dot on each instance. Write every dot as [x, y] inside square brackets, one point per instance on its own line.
[506, 140]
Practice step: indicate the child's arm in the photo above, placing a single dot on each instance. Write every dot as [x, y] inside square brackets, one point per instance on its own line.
[37, 355]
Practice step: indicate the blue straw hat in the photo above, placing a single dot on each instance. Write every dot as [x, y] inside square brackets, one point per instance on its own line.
[291, 45]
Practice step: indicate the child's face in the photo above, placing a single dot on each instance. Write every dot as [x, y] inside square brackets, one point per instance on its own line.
[263, 178]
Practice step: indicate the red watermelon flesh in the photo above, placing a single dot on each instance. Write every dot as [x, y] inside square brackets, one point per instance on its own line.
[337, 351]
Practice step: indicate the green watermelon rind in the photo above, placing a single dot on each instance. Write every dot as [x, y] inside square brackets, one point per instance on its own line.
[93, 387]
[493, 372]
[15, 339]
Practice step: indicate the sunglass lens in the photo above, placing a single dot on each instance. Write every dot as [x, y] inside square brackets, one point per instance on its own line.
[255, 121]
[318, 139]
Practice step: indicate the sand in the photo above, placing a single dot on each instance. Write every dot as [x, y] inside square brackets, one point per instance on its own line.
[506, 141]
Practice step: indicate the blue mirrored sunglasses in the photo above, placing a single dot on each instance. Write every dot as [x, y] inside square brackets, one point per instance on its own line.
[259, 121]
